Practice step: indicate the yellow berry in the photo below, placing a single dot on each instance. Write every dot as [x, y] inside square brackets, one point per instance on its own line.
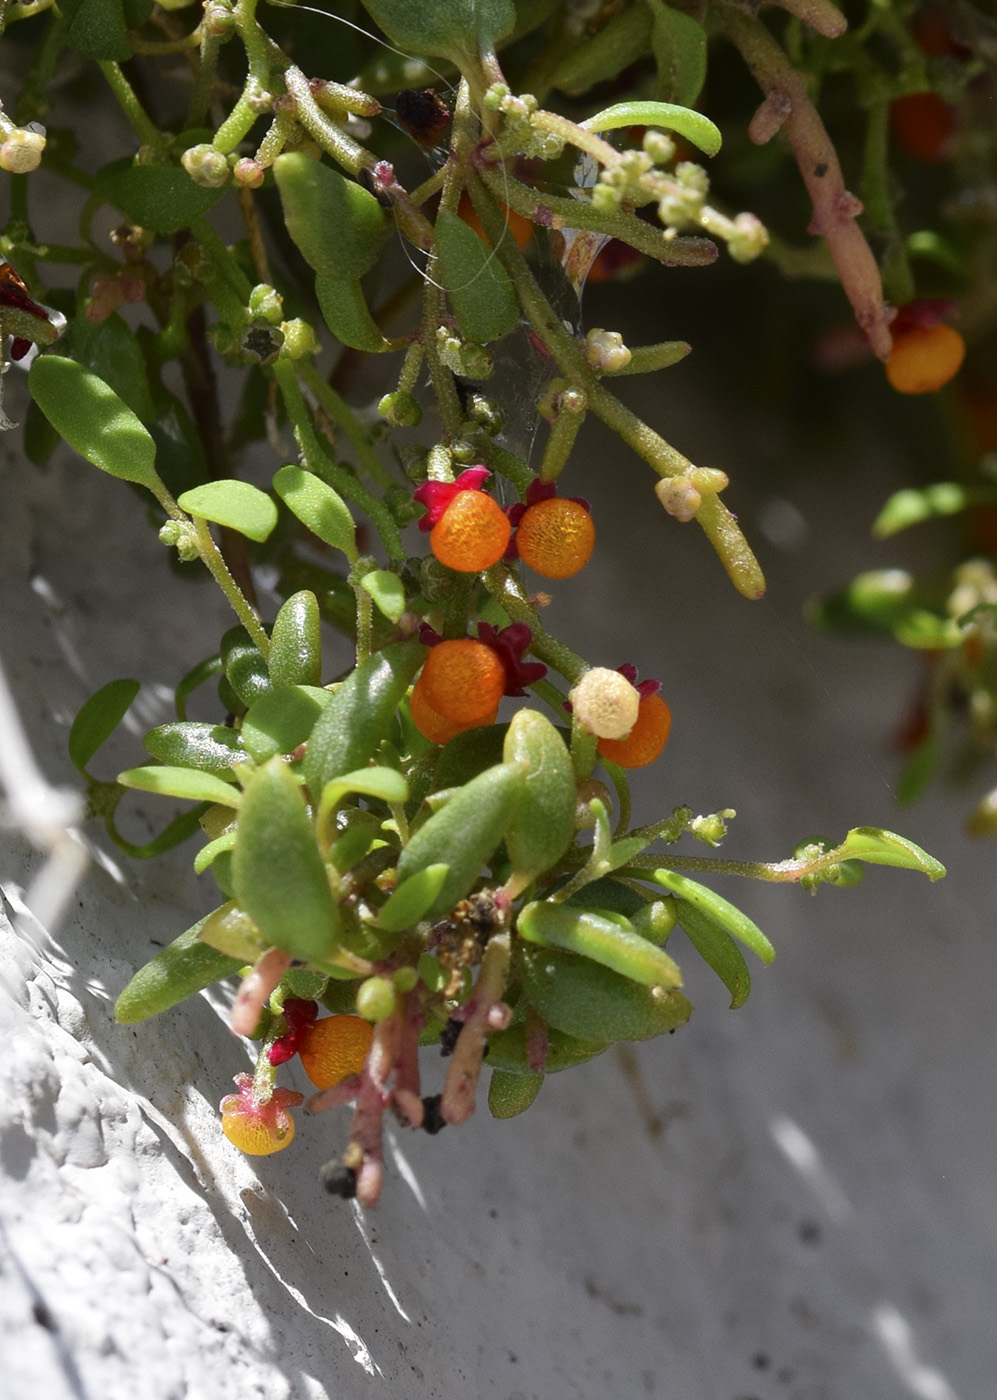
[646, 740]
[924, 358]
[472, 533]
[556, 537]
[256, 1127]
[334, 1048]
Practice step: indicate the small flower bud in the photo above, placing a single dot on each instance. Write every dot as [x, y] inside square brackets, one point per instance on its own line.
[266, 304]
[181, 536]
[22, 150]
[605, 703]
[749, 240]
[219, 19]
[376, 999]
[206, 166]
[679, 497]
[249, 173]
[605, 351]
[659, 146]
[400, 410]
[300, 339]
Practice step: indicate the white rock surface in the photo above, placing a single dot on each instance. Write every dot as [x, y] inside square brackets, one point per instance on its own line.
[796, 1200]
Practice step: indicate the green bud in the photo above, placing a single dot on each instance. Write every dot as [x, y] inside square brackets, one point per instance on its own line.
[300, 339]
[206, 166]
[266, 304]
[401, 410]
[376, 999]
[405, 979]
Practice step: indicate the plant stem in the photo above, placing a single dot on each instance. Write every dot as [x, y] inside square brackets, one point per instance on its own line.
[244, 114]
[344, 418]
[212, 557]
[139, 120]
[507, 590]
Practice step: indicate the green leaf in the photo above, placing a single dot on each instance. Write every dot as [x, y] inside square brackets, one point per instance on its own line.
[679, 44]
[206, 856]
[279, 875]
[510, 1094]
[187, 783]
[159, 197]
[618, 44]
[692, 125]
[345, 311]
[231, 931]
[184, 967]
[591, 1002]
[281, 719]
[360, 713]
[387, 591]
[912, 506]
[714, 907]
[384, 784]
[596, 936]
[191, 744]
[98, 30]
[321, 509]
[98, 718]
[878, 847]
[507, 1051]
[296, 642]
[716, 947]
[412, 898]
[461, 30]
[91, 417]
[464, 833]
[195, 677]
[468, 754]
[918, 770]
[245, 668]
[339, 226]
[480, 290]
[111, 350]
[236, 504]
[544, 825]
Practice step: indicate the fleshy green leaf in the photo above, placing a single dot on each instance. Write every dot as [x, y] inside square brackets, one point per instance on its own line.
[206, 856]
[510, 1094]
[480, 290]
[692, 125]
[318, 507]
[245, 669]
[545, 818]
[159, 197]
[879, 847]
[679, 44]
[461, 30]
[603, 55]
[507, 1051]
[231, 931]
[360, 712]
[345, 311]
[281, 719]
[411, 899]
[339, 226]
[91, 417]
[614, 945]
[184, 967]
[97, 29]
[714, 907]
[98, 718]
[296, 642]
[188, 783]
[387, 591]
[716, 947]
[278, 871]
[589, 1001]
[191, 744]
[236, 504]
[911, 506]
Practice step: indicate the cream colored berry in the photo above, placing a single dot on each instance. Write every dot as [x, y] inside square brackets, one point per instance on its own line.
[605, 703]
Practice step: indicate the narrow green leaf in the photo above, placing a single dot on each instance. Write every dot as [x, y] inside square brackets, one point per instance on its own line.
[411, 899]
[159, 197]
[679, 44]
[720, 910]
[207, 854]
[614, 945]
[692, 125]
[718, 950]
[195, 677]
[192, 744]
[507, 1051]
[245, 669]
[386, 784]
[510, 1094]
[480, 290]
[591, 1002]
[184, 967]
[461, 30]
[98, 718]
[318, 507]
[345, 311]
[91, 417]
[236, 504]
[281, 719]
[187, 783]
[879, 847]
[912, 506]
[544, 825]
[359, 715]
[338, 225]
[603, 55]
[387, 591]
[278, 871]
[296, 642]
[231, 931]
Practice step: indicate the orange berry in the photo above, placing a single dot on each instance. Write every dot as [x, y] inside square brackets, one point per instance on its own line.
[472, 533]
[334, 1048]
[924, 358]
[463, 682]
[555, 537]
[646, 740]
[923, 126]
[433, 726]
